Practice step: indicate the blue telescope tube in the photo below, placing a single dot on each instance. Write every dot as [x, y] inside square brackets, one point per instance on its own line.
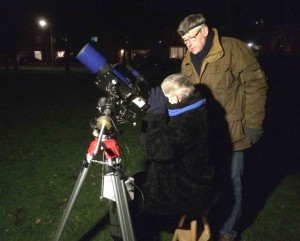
[133, 71]
[136, 74]
[122, 78]
[90, 58]
[94, 61]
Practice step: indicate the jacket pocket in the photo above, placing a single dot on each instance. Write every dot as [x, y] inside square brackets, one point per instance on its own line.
[219, 76]
[236, 131]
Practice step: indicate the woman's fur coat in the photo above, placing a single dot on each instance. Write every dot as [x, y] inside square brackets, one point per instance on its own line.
[179, 178]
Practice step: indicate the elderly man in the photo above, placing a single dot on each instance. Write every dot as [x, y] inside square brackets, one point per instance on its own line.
[228, 72]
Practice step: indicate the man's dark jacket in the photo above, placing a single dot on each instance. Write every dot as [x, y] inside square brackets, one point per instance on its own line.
[179, 178]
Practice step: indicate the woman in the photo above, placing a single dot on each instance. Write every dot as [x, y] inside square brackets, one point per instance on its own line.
[179, 179]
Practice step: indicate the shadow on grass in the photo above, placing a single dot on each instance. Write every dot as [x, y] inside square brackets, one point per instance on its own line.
[277, 155]
[96, 229]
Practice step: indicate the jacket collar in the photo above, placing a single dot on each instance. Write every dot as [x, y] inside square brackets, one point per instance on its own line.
[175, 112]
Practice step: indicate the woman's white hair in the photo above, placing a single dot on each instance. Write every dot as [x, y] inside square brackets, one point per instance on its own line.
[178, 85]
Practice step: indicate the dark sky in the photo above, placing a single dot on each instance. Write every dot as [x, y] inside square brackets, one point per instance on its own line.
[143, 14]
[83, 15]
[139, 18]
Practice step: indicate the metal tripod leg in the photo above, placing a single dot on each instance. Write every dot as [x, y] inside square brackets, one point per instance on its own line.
[78, 185]
[120, 192]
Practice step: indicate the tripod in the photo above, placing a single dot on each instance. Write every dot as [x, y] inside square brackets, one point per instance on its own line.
[112, 159]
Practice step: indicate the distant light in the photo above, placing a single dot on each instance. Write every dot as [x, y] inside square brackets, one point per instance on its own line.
[259, 21]
[250, 44]
[262, 21]
[60, 54]
[94, 39]
[42, 23]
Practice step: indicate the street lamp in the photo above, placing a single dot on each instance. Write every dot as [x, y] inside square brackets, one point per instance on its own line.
[43, 23]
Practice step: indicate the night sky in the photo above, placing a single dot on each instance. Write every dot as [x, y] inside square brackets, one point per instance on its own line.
[139, 19]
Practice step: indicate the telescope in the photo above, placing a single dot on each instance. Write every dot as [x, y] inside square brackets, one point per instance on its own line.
[121, 85]
[119, 82]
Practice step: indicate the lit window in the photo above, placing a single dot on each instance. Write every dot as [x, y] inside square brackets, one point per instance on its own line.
[176, 52]
[60, 54]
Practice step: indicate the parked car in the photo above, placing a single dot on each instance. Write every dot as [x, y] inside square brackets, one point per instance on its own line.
[64, 60]
[27, 60]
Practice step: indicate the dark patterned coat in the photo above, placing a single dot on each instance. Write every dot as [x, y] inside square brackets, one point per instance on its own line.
[179, 178]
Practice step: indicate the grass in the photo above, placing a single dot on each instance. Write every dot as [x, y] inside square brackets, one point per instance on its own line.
[45, 134]
[279, 219]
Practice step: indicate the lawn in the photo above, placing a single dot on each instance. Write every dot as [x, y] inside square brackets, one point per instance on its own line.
[45, 134]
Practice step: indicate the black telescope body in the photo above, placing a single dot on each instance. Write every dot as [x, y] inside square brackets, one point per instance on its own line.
[121, 90]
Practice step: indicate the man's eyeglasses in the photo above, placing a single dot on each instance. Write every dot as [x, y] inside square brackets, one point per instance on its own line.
[193, 38]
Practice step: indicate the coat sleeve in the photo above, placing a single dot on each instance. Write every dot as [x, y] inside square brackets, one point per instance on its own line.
[254, 82]
[165, 142]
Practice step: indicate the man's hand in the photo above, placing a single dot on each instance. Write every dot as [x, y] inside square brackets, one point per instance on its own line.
[254, 134]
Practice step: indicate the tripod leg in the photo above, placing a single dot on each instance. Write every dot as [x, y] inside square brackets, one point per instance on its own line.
[78, 185]
[115, 228]
[121, 197]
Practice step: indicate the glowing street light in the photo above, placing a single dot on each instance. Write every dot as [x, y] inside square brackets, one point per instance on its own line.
[43, 23]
